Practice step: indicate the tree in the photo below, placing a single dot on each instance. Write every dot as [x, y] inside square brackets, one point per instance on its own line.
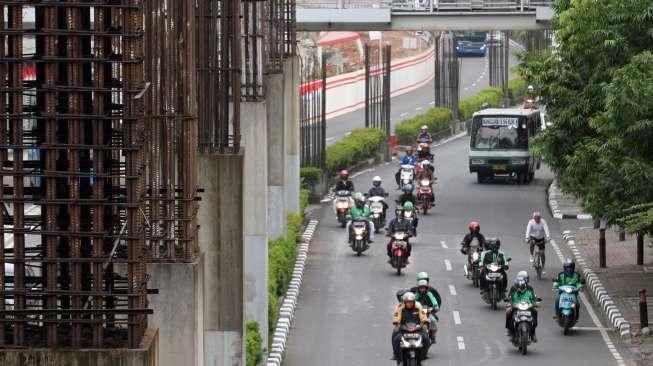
[598, 87]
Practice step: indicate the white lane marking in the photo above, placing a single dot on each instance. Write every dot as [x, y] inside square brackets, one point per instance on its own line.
[403, 114]
[588, 308]
[461, 343]
[432, 102]
[330, 138]
[452, 290]
[326, 200]
[465, 88]
[447, 264]
[473, 84]
[456, 318]
[418, 108]
[444, 245]
[588, 328]
[362, 172]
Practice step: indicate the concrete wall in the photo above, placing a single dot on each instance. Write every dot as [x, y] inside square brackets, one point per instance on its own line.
[177, 314]
[291, 130]
[145, 355]
[346, 92]
[220, 218]
[277, 208]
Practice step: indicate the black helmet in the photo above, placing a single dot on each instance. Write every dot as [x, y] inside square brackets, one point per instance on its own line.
[493, 244]
[569, 266]
[399, 211]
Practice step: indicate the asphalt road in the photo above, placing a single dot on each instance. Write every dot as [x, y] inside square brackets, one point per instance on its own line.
[345, 309]
[474, 77]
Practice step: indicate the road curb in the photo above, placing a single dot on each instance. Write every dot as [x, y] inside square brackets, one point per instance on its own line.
[287, 309]
[598, 291]
[554, 207]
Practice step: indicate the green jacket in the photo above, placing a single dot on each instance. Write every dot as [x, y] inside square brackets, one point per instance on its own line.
[356, 212]
[573, 280]
[527, 296]
[489, 256]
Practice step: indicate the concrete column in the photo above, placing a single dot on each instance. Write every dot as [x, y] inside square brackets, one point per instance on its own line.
[255, 210]
[180, 287]
[220, 218]
[291, 123]
[277, 209]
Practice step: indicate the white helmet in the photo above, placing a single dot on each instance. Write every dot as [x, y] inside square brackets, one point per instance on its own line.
[376, 179]
[425, 127]
[524, 275]
[408, 296]
[530, 88]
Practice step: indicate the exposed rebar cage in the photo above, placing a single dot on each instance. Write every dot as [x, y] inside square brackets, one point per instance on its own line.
[447, 73]
[312, 111]
[253, 49]
[377, 87]
[171, 118]
[72, 144]
[538, 40]
[281, 34]
[499, 63]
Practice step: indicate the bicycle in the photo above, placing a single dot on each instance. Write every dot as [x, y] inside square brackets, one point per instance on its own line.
[538, 255]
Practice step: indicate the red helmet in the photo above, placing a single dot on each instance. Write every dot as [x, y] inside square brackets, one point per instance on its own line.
[344, 174]
[474, 225]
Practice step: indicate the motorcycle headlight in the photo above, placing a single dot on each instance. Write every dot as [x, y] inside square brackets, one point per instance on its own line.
[358, 231]
[408, 214]
[399, 236]
[475, 256]
[523, 306]
[425, 182]
[341, 204]
[568, 290]
[493, 267]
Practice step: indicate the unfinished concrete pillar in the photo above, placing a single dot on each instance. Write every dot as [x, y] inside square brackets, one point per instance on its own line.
[221, 234]
[253, 119]
[291, 123]
[277, 208]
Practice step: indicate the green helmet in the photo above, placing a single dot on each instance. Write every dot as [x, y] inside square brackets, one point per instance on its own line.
[422, 276]
[358, 197]
[408, 205]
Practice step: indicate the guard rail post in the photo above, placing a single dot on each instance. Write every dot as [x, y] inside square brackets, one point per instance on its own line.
[602, 263]
[643, 309]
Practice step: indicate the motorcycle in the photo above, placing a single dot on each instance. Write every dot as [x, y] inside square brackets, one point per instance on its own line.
[360, 236]
[412, 348]
[399, 250]
[472, 268]
[410, 215]
[425, 195]
[377, 208]
[423, 148]
[567, 307]
[522, 321]
[407, 174]
[433, 325]
[494, 279]
[343, 204]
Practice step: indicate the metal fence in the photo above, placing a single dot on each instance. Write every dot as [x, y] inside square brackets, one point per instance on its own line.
[377, 87]
[312, 111]
[429, 5]
[447, 73]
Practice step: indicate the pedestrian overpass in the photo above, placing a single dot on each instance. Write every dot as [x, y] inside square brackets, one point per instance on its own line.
[387, 15]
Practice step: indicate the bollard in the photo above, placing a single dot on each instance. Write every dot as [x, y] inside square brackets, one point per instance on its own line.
[622, 235]
[643, 310]
[602, 248]
[640, 249]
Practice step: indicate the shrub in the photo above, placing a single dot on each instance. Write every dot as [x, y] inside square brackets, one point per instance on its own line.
[310, 175]
[361, 143]
[303, 199]
[468, 106]
[517, 89]
[254, 342]
[436, 119]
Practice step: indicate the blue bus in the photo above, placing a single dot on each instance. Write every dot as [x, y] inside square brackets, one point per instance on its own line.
[471, 44]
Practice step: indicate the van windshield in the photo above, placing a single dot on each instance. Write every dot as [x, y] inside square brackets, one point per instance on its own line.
[499, 132]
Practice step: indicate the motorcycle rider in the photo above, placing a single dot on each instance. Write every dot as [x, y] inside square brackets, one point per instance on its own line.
[474, 233]
[409, 206]
[407, 196]
[537, 231]
[426, 172]
[360, 211]
[343, 184]
[399, 224]
[490, 255]
[429, 298]
[409, 311]
[568, 277]
[377, 191]
[408, 159]
[425, 137]
[521, 291]
[485, 105]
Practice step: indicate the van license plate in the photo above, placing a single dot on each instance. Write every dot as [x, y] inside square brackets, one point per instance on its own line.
[499, 167]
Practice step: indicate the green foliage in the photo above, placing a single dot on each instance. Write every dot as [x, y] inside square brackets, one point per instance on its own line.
[309, 175]
[282, 253]
[517, 89]
[303, 199]
[467, 107]
[254, 344]
[436, 119]
[639, 219]
[360, 144]
[598, 87]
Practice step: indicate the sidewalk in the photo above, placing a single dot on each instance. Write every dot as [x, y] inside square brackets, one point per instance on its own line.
[564, 206]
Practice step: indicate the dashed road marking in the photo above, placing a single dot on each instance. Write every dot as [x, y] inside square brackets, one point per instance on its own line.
[452, 290]
[362, 172]
[473, 84]
[403, 114]
[465, 88]
[588, 308]
[444, 245]
[418, 108]
[456, 318]
[330, 138]
[447, 264]
[432, 102]
[461, 343]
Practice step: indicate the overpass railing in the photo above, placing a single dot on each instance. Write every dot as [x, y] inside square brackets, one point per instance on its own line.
[428, 5]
